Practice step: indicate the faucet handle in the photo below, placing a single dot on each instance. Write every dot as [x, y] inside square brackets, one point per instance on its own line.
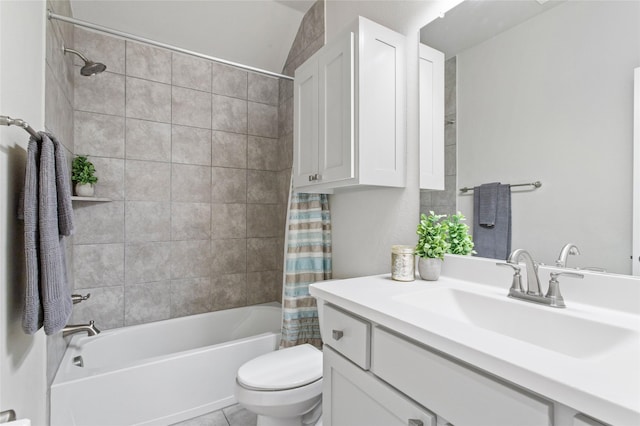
[555, 275]
[553, 294]
[516, 284]
[514, 266]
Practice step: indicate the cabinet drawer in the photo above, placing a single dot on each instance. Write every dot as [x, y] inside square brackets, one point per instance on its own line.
[352, 397]
[463, 396]
[348, 335]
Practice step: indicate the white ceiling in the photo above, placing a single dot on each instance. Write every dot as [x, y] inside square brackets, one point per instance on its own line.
[472, 22]
[258, 33]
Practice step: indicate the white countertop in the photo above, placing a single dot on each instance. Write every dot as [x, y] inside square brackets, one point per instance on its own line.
[605, 385]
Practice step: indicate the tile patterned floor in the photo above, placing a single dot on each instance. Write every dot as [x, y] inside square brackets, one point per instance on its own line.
[230, 416]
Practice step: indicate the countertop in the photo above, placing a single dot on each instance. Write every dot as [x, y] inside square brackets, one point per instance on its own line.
[605, 385]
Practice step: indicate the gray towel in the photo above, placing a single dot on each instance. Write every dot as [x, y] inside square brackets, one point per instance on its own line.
[493, 241]
[48, 216]
[487, 203]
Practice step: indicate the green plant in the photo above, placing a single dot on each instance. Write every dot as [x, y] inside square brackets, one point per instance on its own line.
[432, 236]
[83, 171]
[460, 242]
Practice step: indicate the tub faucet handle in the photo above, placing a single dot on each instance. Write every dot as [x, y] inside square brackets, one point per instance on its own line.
[77, 298]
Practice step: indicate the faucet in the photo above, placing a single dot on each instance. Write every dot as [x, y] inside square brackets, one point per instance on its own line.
[90, 329]
[568, 249]
[553, 297]
[533, 282]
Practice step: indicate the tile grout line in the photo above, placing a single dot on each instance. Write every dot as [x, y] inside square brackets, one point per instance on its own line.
[124, 195]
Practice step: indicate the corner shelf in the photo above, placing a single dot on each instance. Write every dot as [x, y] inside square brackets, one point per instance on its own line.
[91, 199]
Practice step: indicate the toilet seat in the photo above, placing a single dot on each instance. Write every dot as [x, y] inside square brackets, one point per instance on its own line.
[284, 369]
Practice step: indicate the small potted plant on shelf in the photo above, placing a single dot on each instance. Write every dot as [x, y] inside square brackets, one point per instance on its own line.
[83, 174]
[460, 241]
[432, 245]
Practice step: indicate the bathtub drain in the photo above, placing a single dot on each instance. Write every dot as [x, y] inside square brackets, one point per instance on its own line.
[77, 360]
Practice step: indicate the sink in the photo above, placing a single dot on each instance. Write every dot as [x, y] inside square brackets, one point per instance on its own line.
[549, 328]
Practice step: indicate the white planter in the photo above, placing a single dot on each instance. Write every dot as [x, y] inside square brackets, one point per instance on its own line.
[429, 269]
[84, 190]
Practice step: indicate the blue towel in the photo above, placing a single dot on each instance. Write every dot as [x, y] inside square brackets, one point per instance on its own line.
[493, 241]
[487, 203]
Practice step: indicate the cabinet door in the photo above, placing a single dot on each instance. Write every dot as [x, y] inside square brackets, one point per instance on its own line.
[305, 123]
[381, 105]
[336, 144]
[464, 396]
[431, 83]
[353, 397]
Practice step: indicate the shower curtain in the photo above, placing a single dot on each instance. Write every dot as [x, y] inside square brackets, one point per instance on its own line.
[307, 260]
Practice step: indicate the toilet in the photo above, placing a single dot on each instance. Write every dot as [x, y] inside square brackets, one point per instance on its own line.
[284, 387]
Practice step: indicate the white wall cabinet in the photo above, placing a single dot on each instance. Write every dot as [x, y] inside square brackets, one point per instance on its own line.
[349, 112]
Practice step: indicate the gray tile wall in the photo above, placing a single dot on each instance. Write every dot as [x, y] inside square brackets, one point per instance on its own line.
[59, 94]
[189, 152]
[444, 202]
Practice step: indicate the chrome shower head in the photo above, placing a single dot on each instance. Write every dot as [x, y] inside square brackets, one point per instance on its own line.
[90, 68]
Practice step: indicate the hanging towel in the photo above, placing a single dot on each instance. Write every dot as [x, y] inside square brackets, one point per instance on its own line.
[48, 216]
[307, 260]
[493, 241]
[487, 203]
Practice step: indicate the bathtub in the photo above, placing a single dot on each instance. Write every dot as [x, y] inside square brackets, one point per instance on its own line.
[162, 372]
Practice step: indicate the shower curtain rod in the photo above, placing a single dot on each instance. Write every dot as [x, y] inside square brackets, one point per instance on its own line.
[122, 34]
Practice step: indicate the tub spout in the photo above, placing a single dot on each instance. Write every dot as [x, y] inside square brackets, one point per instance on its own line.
[90, 329]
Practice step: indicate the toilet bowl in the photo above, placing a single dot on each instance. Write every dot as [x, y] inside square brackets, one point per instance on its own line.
[283, 387]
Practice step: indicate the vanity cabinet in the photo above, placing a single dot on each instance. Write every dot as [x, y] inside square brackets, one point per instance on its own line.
[349, 109]
[352, 397]
[463, 395]
[406, 383]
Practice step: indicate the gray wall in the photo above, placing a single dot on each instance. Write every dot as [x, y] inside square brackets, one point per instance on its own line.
[59, 121]
[189, 152]
[444, 202]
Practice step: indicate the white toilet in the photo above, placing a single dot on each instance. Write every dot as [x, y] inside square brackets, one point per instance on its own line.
[284, 387]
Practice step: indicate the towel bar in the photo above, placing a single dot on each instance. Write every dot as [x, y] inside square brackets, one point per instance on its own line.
[5, 120]
[536, 184]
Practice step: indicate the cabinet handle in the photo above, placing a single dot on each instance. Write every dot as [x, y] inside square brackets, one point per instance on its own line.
[337, 334]
[315, 177]
[415, 422]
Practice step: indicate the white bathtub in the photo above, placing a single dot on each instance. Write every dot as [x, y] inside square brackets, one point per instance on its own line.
[163, 372]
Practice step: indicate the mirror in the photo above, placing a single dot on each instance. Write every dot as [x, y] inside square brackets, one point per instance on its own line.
[543, 92]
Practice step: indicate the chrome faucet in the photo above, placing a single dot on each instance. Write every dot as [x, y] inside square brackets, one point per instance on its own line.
[90, 329]
[553, 297]
[533, 282]
[568, 249]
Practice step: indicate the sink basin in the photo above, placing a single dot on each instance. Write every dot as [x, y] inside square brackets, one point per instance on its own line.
[542, 326]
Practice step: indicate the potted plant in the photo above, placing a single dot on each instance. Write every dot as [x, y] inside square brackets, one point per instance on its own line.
[432, 245]
[83, 174]
[460, 242]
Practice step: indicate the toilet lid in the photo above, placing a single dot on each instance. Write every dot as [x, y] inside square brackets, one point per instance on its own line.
[284, 369]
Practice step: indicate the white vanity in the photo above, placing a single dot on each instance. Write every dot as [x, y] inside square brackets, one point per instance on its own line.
[459, 351]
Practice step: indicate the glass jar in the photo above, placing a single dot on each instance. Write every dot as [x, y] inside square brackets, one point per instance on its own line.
[402, 263]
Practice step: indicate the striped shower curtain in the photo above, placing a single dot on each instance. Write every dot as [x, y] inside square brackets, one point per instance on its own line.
[307, 260]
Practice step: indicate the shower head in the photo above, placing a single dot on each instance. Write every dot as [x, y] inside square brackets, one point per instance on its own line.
[90, 68]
